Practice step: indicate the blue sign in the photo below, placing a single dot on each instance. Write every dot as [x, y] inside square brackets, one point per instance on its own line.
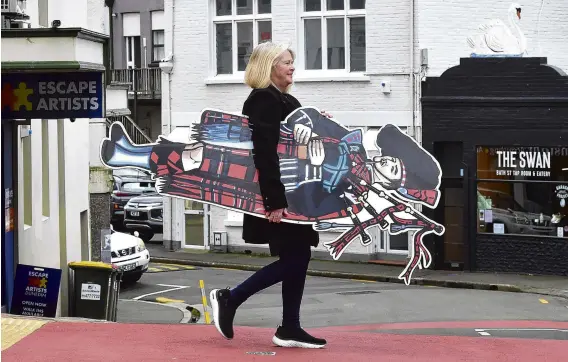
[36, 291]
[53, 95]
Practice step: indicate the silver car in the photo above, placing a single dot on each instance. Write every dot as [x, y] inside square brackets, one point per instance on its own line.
[145, 215]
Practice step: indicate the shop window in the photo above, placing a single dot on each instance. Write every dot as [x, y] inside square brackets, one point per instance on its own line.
[523, 191]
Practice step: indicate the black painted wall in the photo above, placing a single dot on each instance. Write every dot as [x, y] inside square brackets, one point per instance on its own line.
[498, 101]
[522, 254]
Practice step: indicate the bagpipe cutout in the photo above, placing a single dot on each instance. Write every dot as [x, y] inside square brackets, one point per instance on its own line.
[330, 181]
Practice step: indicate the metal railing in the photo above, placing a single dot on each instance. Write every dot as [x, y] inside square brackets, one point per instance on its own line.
[146, 81]
[134, 132]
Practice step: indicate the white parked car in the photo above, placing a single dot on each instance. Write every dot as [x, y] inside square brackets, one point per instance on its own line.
[129, 253]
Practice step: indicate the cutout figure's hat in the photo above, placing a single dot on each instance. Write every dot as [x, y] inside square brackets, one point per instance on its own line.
[421, 172]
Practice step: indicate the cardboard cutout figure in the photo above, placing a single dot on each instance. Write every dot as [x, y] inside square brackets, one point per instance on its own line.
[330, 182]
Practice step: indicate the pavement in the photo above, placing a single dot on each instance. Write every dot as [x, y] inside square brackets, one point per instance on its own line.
[57, 341]
[538, 284]
[362, 320]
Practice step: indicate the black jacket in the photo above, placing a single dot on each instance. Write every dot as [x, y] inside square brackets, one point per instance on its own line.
[266, 109]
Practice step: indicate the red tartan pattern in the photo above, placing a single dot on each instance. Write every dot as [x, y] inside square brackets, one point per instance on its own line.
[427, 196]
[212, 117]
[198, 188]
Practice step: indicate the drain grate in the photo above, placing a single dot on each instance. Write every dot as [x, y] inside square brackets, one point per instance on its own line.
[359, 292]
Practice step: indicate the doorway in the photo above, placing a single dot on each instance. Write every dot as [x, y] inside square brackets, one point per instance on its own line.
[133, 52]
[452, 217]
[194, 221]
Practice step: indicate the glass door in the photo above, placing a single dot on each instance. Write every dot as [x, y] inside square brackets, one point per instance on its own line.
[194, 218]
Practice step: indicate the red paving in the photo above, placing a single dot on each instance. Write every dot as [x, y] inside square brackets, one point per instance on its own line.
[64, 341]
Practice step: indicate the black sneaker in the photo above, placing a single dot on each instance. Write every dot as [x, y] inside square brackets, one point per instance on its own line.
[296, 337]
[223, 311]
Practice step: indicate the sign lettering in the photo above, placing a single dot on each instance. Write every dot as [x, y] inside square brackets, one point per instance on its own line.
[523, 163]
[52, 95]
[36, 291]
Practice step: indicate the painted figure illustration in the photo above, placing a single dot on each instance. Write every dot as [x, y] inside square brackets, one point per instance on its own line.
[329, 179]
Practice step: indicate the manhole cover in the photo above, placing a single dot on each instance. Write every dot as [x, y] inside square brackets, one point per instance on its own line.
[359, 292]
[263, 353]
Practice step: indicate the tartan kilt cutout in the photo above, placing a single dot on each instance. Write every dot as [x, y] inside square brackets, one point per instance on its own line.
[213, 118]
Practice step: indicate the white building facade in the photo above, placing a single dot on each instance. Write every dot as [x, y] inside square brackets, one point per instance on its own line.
[48, 194]
[362, 61]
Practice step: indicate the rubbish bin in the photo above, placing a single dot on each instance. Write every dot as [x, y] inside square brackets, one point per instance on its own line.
[95, 290]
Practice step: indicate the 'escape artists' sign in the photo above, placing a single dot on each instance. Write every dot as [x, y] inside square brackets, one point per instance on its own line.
[523, 163]
[56, 95]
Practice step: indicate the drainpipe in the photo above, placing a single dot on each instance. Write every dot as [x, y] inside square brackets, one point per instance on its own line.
[166, 66]
[411, 69]
[110, 4]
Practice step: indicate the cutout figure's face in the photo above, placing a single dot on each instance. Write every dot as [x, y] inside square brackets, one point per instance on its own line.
[387, 170]
[283, 70]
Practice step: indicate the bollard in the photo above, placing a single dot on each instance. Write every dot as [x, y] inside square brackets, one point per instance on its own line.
[204, 301]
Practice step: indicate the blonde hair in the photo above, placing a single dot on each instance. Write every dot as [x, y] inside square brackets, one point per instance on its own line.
[263, 58]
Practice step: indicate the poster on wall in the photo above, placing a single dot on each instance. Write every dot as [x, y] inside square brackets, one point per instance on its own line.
[330, 181]
[36, 291]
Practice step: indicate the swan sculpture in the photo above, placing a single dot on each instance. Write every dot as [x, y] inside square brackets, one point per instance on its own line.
[497, 39]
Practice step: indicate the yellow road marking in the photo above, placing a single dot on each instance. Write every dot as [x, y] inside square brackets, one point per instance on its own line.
[223, 268]
[364, 280]
[168, 300]
[168, 267]
[155, 270]
[177, 266]
[15, 329]
[543, 301]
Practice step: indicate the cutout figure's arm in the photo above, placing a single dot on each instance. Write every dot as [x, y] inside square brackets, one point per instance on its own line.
[265, 131]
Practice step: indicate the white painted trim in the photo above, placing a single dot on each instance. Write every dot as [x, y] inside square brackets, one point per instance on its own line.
[330, 76]
[301, 77]
[225, 78]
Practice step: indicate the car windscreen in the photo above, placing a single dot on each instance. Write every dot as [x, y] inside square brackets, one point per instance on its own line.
[139, 187]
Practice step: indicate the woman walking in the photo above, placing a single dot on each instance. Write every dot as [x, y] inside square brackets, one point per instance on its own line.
[269, 73]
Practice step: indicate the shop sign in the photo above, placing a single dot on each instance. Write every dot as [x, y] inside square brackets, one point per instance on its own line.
[523, 163]
[518, 163]
[56, 95]
[36, 291]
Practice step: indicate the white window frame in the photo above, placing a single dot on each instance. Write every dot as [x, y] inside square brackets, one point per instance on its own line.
[323, 15]
[233, 19]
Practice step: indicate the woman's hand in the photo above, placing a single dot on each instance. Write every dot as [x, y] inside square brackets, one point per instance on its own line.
[324, 113]
[276, 215]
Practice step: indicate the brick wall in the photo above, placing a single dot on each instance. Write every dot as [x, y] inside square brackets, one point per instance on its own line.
[352, 102]
[444, 26]
[522, 254]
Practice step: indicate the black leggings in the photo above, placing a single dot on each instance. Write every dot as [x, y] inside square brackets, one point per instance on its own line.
[290, 269]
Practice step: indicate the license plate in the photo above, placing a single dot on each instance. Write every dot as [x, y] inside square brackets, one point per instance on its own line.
[128, 267]
[134, 213]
